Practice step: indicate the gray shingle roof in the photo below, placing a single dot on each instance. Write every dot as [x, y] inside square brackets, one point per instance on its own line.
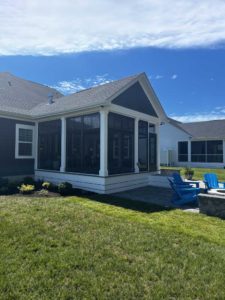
[91, 97]
[31, 99]
[205, 129]
[21, 96]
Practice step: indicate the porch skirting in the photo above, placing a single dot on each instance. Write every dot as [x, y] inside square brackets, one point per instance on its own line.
[97, 184]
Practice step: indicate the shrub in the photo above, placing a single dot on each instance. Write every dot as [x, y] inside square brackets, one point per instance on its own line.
[29, 180]
[38, 184]
[65, 188]
[189, 173]
[46, 185]
[13, 187]
[4, 186]
[4, 182]
[4, 190]
[26, 188]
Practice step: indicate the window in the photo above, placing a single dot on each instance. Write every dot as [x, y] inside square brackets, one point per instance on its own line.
[182, 151]
[83, 144]
[49, 145]
[120, 144]
[198, 151]
[214, 151]
[207, 151]
[24, 141]
[143, 145]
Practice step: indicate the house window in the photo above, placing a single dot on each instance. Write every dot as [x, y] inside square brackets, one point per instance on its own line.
[120, 144]
[214, 151]
[49, 145]
[83, 144]
[24, 141]
[182, 151]
[198, 151]
[207, 151]
[143, 145]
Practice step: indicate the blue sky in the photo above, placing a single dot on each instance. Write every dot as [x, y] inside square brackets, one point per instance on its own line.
[71, 46]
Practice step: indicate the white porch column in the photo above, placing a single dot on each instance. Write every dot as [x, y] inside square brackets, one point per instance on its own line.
[136, 167]
[189, 151]
[157, 131]
[36, 146]
[103, 143]
[63, 145]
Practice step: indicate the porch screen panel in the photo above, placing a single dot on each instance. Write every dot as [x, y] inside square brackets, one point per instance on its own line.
[83, 144]
[214, 151]
[198, 151]
[143, 145]
[120, 144]
[49, 145]
[182, 151]
[207, 151]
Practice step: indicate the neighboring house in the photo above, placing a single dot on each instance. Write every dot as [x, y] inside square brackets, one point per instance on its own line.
[196, 144]
[104, 139]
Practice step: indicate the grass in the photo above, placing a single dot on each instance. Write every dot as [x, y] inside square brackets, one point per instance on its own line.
[199, 172]
[106, 248]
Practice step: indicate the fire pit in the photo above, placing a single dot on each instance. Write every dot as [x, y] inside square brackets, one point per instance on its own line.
[213, 203]
[219, 192]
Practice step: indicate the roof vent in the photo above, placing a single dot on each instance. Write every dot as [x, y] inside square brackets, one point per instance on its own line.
[50, 99]
[9, 83]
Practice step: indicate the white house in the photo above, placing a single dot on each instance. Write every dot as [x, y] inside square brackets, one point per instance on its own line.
[196, 144]
[104, 139]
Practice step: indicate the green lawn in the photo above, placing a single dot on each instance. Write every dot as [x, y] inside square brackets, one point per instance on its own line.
[199, 172]
[105, 248]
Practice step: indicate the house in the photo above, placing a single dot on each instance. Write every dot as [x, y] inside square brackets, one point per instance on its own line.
[195, 144]
[103, 139]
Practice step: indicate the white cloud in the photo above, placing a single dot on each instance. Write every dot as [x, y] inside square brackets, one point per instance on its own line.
[157, 77]
[216, 114]
[41, 27]
[78, 84]
[174, 76]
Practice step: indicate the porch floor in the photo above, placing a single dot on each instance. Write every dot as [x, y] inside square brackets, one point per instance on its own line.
[150, 194]
[155, 195]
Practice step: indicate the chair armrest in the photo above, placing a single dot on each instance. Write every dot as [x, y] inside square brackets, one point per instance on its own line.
[194, 182]
[188, 190]
[206, 185]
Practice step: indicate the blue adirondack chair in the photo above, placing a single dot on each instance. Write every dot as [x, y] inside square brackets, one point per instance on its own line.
[183, 195]
[179, 181]
[211, 182]
[184, 186]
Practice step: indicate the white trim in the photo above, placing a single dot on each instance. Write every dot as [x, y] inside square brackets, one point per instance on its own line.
[63, 145]
[12, 116]
[97, 184]
[103, 143]
[36, 145]
[18, 127]
[133, 113]
[136, 154]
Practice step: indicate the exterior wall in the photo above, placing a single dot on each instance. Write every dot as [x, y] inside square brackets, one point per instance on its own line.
[169, 138]
[9, 165]
[97, 184]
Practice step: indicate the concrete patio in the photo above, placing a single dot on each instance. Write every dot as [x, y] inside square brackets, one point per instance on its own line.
[150, 194]
[155, 195]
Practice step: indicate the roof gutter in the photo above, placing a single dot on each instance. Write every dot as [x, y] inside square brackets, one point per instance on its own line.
[34, 118]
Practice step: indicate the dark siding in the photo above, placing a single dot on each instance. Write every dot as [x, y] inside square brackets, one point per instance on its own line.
[135, 99]
[9, 166]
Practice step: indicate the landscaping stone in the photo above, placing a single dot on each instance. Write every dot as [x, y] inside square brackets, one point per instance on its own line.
[212, 205]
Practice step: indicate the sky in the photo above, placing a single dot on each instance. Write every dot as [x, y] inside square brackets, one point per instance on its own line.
[72, 45]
